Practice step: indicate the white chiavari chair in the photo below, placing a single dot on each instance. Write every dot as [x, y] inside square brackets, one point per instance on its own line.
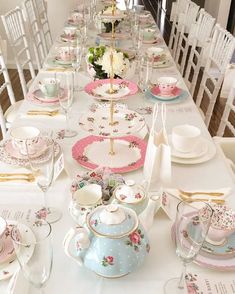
[179, 9]
[221, 50]
[183, 42]
[5, 84]
[15, 31]
[43, 20]
[198, 38]
[228, 110]
[34, 28]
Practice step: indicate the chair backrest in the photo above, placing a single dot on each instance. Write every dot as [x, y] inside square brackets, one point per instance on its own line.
[4, 84]
[229, 109]
[38, 43]
[187, 20]
[15, 31]
[198, 37]
[43, 20]
[181, 8]
[221, 51]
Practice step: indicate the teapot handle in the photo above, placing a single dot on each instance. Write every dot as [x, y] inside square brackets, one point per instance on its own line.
[81, 242]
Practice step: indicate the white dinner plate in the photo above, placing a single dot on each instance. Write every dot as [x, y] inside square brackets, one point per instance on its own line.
[199, 149]
[211, 151]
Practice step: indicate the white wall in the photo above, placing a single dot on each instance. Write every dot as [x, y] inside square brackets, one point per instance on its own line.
[219, 9]
[58, 11]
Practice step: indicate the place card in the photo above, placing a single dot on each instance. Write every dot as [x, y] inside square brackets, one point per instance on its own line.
[59, 166]
[205, 284]
[169, 203]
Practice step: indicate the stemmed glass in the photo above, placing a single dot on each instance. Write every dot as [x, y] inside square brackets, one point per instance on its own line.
[33, 248]
[145, 71]
[66, 100]
[76, 62]
[191, 226]
[43, 170]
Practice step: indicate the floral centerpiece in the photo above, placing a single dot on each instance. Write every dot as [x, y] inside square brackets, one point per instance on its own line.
[106, 22]
[99, 65]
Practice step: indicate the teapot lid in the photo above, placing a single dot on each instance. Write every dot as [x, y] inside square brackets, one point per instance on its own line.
[112, 221]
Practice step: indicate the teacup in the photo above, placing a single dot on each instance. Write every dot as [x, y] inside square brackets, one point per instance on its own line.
[66, 53]
[138, 8]
[70, 31]
[185, 137]
[149, 34]
[50, 87]
[3, 226]
[133, 197]
[156, 54]
[75, 16]
[84, 201]
[25, 139]
[222, 224]
[166, 85]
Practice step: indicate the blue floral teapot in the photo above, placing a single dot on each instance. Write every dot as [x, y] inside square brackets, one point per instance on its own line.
[112, 243]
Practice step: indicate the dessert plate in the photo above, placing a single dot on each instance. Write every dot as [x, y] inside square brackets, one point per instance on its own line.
[92, 152]
[7, 269]
[117, 16]
[225, 249]
[211, 151]
[125, 122]
[100, 89]
[10, 155]
[217, 262]
[200, 149]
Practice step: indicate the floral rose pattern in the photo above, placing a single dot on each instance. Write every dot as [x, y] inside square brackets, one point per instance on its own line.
[107, 260]
[138, 196]
[135, 239]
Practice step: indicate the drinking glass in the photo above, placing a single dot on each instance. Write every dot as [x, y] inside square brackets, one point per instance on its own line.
[145, 71]
[33, 248]
[76, 63]
[43, 170]
[66, 100]
[190, 228]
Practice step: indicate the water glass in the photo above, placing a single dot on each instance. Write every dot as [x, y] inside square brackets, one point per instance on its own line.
[33, 248]
[191, 227]
[145, 71]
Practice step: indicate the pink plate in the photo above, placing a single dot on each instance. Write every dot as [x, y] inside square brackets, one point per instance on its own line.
[92, 152]
[118, 36]
[37, 97]
[211, 261]
[132, 88]
[175, 93]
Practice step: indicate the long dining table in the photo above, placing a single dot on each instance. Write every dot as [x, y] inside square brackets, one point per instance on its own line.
[162, 263]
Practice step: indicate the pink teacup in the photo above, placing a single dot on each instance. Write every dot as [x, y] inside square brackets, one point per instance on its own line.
[70, 32]
[66, 53]
[222, 224]
[3, 226]
[166, 85]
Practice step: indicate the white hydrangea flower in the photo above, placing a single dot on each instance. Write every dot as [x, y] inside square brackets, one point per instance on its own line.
[120, 63]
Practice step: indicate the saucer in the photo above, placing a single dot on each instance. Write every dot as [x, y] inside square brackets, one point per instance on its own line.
[38, 94]
[8, 268]
[155, 40]
[66, 38]
[225, 249]
[62, 62]
[199, 149]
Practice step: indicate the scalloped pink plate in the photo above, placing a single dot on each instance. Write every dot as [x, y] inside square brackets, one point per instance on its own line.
[132, 88]
[92, 152]
[175, 93]
[37, 97]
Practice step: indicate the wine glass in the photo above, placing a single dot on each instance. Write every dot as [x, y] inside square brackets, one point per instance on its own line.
[66, 100]
[145, 71]
[76, 62]
[33, 248]
[43, 169]
[190, 228]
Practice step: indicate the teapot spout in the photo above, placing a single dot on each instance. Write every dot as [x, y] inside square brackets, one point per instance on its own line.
[147, 216]
[81, 241]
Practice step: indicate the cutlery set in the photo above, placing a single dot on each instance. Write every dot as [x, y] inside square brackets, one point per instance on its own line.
[43, 112]
[8, 177]
[209, 196]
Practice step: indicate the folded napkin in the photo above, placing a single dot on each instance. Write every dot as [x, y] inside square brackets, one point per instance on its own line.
[226, 191]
